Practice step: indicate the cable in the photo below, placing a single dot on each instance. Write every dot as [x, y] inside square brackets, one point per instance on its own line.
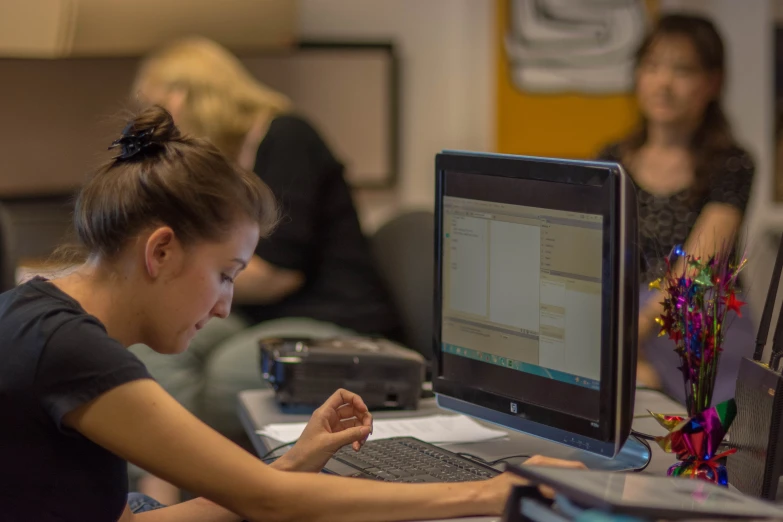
[473, 457]
[269, 453]
[491, 462]
[644, 437]
[506, 459]
[641, 438]
[640, 435]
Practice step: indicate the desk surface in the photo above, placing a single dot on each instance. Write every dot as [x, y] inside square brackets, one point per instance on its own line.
[258, 408]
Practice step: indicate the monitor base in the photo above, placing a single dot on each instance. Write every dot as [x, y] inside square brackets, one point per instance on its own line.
[528, 438]
[632, 456]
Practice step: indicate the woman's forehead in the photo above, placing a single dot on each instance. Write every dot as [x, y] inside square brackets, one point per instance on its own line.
[674, 48]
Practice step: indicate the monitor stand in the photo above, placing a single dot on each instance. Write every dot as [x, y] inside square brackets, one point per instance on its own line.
[529, 438]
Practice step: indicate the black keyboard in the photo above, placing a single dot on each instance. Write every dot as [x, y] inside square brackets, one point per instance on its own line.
[406, 459]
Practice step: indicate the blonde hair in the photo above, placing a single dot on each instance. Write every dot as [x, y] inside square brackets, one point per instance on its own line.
[223, 101]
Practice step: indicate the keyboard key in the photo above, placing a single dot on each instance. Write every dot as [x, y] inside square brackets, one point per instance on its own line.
[404, 459]
[400, 472]
[354, 461]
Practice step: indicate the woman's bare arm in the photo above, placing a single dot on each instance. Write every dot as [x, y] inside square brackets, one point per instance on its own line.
[262, 283]
[140, 422]
[716, 228]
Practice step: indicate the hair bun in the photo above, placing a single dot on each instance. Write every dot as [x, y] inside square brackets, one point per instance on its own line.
[147, 132]
[157, 123]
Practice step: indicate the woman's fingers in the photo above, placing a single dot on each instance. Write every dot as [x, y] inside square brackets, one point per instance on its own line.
[335, 416]
[540, 460]
[348, 411]
[342, 398]
[348, 423]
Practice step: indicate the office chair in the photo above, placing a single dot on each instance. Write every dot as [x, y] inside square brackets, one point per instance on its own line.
[31, 228]
[404, 253]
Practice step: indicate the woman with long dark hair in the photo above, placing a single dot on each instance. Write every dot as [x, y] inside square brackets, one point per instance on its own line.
[693, 180]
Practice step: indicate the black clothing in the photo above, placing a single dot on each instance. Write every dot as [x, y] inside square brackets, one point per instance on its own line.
[54, 357]
[666, 221]
[319, 235]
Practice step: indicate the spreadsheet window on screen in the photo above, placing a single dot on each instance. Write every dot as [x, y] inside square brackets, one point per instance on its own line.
[522, 288]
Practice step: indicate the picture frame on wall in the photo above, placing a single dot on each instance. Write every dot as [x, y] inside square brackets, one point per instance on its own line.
[778, 140]
[350, 92]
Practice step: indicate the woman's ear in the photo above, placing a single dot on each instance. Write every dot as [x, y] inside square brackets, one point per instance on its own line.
[162, 252]
[175, 103]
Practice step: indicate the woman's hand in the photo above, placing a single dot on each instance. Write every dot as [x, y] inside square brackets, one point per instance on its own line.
[342, 419]
[499, 488]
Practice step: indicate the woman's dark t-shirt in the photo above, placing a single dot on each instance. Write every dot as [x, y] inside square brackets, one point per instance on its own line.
[54, 357]
[319, 235]
[666, 221]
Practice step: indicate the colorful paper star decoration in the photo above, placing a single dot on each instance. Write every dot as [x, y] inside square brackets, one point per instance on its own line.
[697, 297]
[734, 304]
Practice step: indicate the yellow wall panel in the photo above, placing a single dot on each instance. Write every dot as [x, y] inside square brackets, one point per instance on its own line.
[565, 125]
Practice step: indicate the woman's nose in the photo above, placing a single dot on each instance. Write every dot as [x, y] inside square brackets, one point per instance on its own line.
[664, 76]
[223, 307]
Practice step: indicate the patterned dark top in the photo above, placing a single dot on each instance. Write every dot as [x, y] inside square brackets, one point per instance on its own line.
[666, 221]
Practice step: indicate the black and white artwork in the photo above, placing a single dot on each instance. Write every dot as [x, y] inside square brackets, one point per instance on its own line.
[580, 46]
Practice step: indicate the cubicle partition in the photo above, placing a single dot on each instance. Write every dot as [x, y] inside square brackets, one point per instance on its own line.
[58, 116]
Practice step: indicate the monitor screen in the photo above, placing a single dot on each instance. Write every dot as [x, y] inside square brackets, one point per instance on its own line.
[535, 291]
[522, 292]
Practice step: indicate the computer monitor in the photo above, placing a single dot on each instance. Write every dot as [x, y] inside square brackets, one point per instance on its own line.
[536, 298]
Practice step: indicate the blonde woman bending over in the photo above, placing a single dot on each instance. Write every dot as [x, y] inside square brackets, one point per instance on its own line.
[313, 277]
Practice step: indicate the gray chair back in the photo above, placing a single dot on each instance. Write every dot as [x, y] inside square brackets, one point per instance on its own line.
[405, 255]
[8, 254]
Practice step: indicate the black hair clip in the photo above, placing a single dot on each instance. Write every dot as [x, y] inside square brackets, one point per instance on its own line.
[132, 142]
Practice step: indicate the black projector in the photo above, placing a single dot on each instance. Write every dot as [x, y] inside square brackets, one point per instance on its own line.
[305, 372]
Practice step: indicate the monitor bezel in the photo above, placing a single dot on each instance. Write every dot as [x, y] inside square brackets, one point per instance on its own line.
[609, 425]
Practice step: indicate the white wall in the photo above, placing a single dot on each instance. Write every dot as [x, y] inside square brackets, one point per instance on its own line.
[447, 73]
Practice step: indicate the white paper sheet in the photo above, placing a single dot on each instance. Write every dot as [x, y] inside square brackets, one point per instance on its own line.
[433, 429]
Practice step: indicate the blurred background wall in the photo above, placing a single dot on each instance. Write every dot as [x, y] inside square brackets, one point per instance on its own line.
[449, 68]
[446, 57]
[449, 51]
